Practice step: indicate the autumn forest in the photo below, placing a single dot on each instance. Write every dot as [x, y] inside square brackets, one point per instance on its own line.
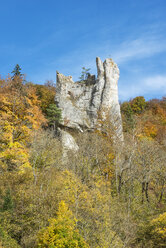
[107, 195]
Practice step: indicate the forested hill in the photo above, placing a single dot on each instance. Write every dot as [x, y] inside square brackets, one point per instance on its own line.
[106, 195]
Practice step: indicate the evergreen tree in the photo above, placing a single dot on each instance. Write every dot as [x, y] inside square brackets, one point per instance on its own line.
[53, 115]
[85, 73]
[17, 71]
[8, 202]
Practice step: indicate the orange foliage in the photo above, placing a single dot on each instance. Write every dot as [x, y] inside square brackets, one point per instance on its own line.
[46, 94]
[150, 130]
[19, 116]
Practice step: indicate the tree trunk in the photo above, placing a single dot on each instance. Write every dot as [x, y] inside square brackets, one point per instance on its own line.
[143, 190]
[146, 192]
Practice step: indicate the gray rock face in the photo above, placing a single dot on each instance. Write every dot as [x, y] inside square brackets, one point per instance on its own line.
[80, 102]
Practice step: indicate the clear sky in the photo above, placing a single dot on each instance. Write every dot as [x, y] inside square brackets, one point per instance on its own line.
[43, 36]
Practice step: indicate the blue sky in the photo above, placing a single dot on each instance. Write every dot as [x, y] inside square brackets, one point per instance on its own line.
[43, 36]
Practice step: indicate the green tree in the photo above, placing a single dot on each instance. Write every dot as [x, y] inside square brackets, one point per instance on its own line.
[53, 115]
[138, 104]
[17, 71]
[8, 202]
[6, 241]
[84, 74]
[127, 112]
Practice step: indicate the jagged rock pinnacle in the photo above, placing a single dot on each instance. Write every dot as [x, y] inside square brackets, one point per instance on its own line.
[80, 102]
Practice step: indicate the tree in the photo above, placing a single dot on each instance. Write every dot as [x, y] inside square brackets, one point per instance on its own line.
[19, 117]
[159, 230]
[85, 73]
[8, 202]
[138, 104]
[6, 241]
[53, 115]
[17, 71]
[46, 95]
[128, 115]
[153, 234]
[61, 232]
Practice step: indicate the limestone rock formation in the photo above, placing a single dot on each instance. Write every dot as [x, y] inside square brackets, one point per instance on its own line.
[80, 102]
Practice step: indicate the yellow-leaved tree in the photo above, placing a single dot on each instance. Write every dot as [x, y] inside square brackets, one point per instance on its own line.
[158, 230]
[62, 231]
[20, 115]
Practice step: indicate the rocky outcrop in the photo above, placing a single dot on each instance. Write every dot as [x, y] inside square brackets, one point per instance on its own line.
[80, 102]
